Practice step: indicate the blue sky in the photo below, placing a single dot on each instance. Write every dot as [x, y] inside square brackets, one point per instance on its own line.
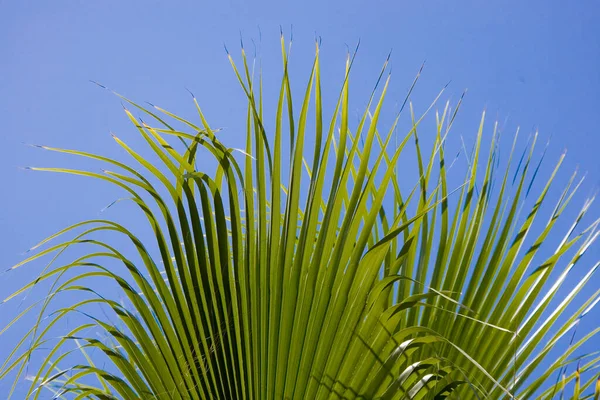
[533, 64]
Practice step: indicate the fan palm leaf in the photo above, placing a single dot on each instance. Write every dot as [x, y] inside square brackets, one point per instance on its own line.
[324, 278]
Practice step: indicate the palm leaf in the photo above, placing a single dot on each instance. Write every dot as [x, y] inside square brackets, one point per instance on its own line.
[313, 284]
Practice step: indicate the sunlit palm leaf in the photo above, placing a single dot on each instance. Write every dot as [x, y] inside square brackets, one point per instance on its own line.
[315, 284]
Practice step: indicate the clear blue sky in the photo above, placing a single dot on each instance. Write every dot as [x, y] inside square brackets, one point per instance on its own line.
[530, 63]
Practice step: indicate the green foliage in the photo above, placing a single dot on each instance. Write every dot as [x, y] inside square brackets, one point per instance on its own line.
[330, 281]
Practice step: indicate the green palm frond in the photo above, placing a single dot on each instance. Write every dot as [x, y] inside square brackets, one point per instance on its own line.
[324, 278]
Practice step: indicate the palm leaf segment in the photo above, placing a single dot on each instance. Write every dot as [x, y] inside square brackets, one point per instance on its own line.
[325, 282]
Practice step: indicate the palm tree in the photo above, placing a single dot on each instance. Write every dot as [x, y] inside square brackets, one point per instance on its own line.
[331, 280]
